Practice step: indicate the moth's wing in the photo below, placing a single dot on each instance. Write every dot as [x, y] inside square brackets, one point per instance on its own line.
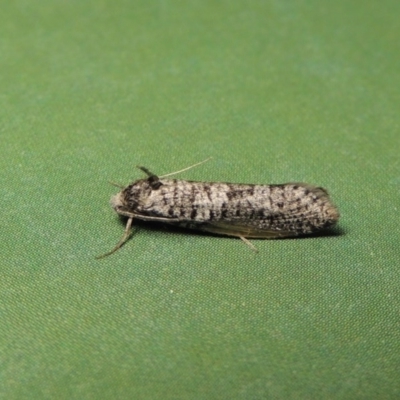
[241, 230]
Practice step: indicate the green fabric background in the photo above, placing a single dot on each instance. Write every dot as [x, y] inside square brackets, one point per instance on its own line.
[274, 91]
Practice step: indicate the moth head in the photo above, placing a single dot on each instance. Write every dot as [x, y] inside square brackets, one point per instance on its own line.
[127, 200]
[118, 202]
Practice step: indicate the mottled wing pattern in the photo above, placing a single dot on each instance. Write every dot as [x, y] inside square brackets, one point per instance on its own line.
[258, 211]
[280, 211]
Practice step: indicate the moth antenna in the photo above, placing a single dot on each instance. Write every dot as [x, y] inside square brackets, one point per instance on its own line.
[124, 238]
[116, 184]
[185, 169]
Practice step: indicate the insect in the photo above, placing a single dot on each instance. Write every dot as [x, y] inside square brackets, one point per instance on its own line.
[231, 209]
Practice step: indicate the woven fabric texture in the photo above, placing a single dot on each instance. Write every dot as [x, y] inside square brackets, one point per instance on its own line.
[274, 92]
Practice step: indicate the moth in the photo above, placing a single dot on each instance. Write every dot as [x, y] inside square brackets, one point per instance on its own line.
[231, 209]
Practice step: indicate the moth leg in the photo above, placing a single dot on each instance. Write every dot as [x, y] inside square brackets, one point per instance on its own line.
[148, 218]
[157, 219]
[124, 238]
[251, 245]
